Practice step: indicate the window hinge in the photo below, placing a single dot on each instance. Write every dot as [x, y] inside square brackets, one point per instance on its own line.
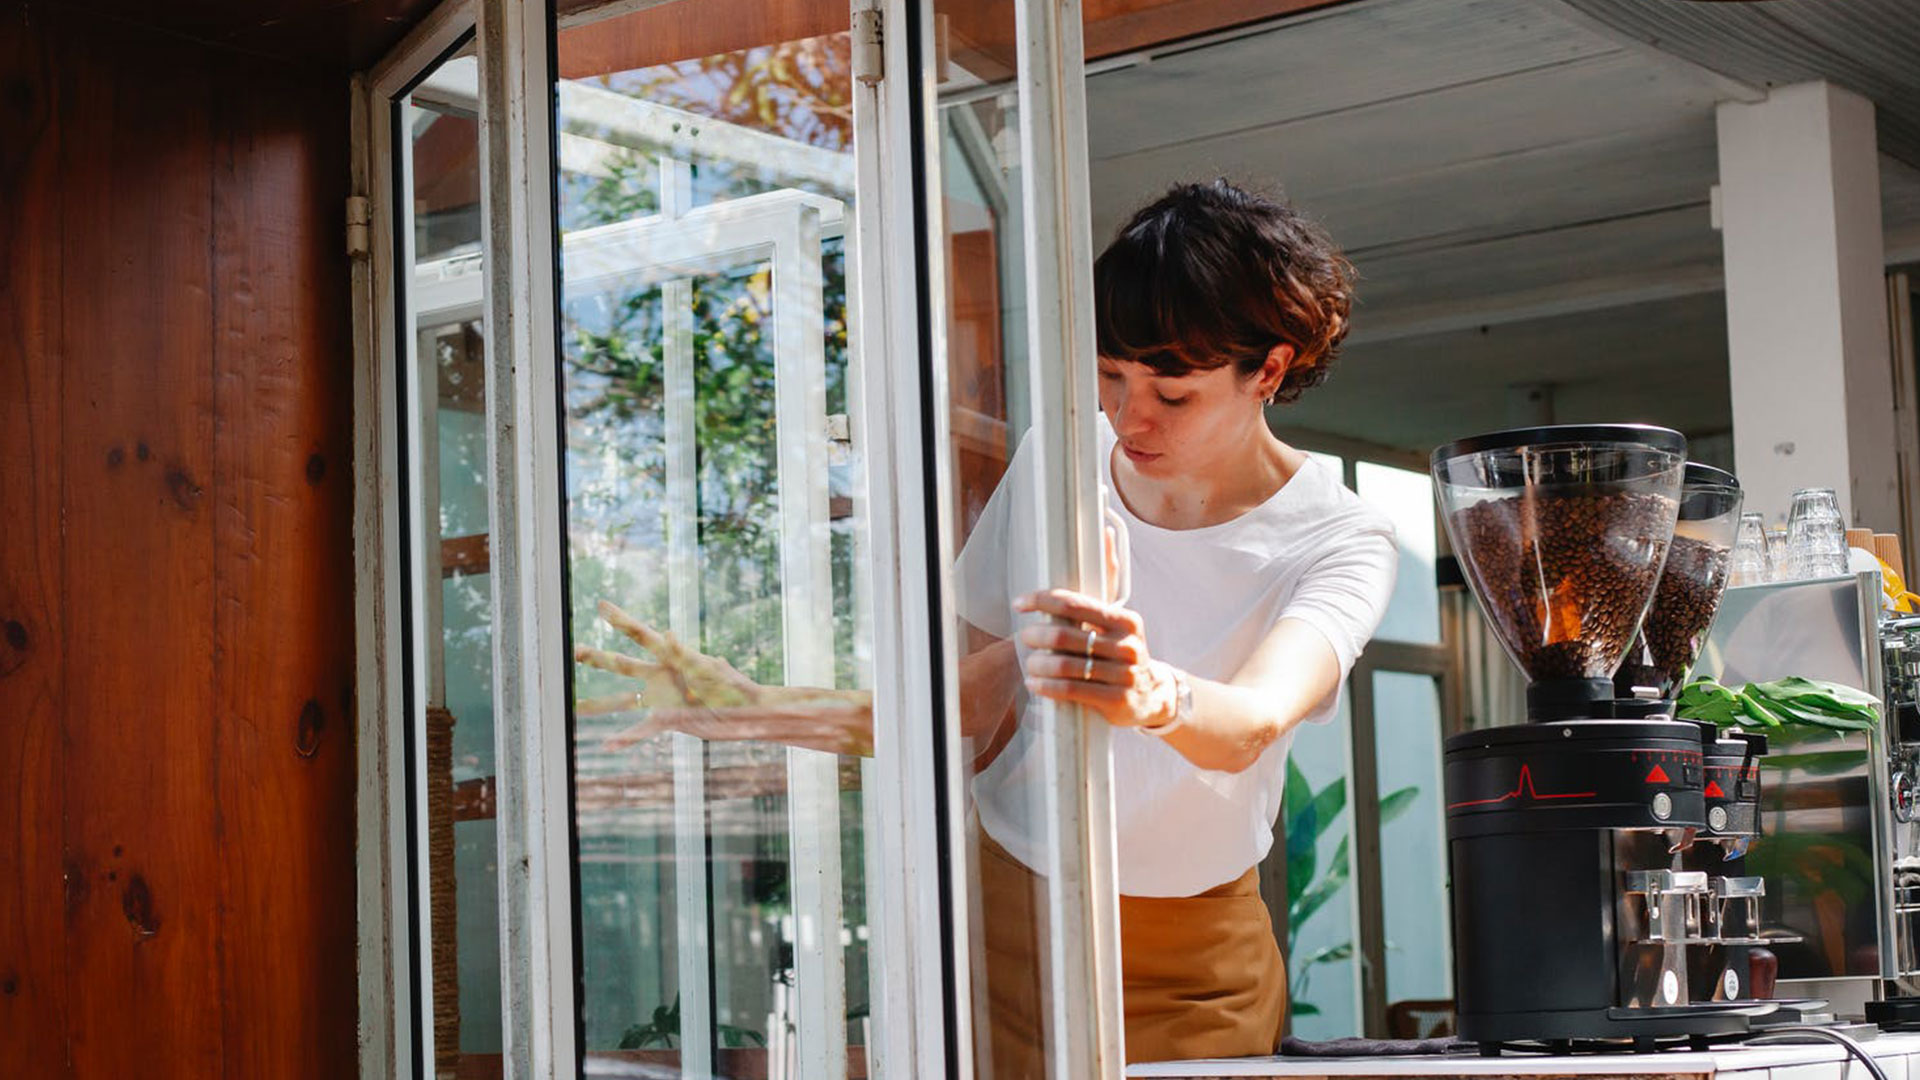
[869, 47]
[839, 439]
[359, 227]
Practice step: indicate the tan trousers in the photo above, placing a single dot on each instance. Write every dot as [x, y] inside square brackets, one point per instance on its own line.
[1202, 976]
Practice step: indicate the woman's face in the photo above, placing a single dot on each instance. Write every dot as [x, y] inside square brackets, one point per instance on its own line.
[1186, 425]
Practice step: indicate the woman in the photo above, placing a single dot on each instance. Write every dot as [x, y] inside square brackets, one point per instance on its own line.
[1256, 580]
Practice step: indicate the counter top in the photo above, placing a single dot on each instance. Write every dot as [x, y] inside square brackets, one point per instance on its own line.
[1898, 1055]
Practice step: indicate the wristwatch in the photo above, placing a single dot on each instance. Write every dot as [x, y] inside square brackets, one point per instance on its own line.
[1182, 701]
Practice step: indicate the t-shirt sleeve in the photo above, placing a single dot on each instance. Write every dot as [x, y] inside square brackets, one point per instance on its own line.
[1344, 593]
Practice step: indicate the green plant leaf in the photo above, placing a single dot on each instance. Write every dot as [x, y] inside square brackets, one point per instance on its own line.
[1342, 951]
[1300, 833]
[1302, 860]
[1316, 896]
[1779, 705]
[1397, 802]
[1327, 805]
[1297, 795]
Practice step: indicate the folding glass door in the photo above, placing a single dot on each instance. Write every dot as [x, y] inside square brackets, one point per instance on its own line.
[702, 338]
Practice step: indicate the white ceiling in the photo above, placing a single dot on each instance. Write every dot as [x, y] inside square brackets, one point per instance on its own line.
[1516, 165]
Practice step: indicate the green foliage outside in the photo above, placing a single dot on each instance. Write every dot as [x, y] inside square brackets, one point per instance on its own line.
[615, 400]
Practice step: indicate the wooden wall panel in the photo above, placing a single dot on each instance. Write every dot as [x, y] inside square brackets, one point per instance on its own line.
[176, 718]
[283, 573]
[323, 36]
[32, 966]
[137, 408]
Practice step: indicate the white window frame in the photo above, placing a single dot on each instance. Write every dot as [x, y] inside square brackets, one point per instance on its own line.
[898, 402]
[392, 988]
[1085, 1031]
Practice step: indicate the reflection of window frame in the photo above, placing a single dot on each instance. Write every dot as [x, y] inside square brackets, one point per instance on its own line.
[784, 228]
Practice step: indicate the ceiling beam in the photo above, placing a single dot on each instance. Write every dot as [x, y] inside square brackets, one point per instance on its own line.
[1561, 299]
[1727, 87]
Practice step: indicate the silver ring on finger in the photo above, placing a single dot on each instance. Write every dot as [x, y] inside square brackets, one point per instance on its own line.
[1092, 636]
[1086, 674]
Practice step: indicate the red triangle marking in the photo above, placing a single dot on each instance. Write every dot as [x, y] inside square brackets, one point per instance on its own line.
[1713, 791]
[1658, 776]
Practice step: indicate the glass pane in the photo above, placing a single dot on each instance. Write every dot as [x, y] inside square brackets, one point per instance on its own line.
[1315, 837]
[1413, 853]
[705, 201]
[1406, 497]
[990, 500]
[448, 389]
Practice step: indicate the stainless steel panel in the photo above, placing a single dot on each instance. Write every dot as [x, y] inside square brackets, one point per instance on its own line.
[1825, 816]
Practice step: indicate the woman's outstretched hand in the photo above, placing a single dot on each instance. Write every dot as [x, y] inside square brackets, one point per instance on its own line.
[1096, 658]
[706, 697]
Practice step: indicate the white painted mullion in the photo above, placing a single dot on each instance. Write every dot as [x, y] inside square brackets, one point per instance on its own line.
[423, 45]
[527, 551]
[384, 941]
[689, 753]
[693, 952]
[880, 1013]
[806, 587]
[905, 950]
[389, 859]
[929, 978]
[1084, 1026]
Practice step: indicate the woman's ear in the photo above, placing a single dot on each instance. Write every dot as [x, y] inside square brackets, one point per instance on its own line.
[1273, 373]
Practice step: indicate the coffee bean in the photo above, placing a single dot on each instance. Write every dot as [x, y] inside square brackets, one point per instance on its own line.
[1565, 577]
[1684, 604]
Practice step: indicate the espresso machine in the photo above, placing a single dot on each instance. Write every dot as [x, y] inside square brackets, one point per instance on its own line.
[1595, 843]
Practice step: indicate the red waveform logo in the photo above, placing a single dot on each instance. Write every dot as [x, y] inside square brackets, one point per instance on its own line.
[1524, 786]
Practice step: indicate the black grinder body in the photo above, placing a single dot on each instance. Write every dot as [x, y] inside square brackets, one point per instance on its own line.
[1547, 826]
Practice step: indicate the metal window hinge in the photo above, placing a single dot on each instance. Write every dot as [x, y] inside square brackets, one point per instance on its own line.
[359, 227]
[869, 47]
[839, 439]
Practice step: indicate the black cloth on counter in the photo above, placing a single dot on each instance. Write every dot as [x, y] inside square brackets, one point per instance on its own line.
[1357, 1047]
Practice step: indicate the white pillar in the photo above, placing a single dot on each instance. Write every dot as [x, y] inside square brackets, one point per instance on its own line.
[1813, 401]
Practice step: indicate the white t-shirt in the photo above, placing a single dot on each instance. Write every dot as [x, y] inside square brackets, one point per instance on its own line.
[1313, 551]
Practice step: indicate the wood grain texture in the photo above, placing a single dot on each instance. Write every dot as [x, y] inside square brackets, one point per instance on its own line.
[283, 577]
[334, 36]
[176, 579]
[138, 417]
[33, 997]
[688, 31]
[982, 31]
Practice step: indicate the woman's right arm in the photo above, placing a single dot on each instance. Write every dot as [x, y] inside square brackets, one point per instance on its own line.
[990, 682]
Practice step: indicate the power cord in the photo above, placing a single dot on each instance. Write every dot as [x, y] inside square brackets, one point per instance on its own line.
[1796, 1033]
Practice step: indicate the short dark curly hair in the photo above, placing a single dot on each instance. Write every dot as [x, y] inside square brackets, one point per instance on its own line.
[1212, 274]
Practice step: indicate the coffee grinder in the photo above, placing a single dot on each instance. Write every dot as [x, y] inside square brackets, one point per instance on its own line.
[1727, 959]
[1586, 852]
